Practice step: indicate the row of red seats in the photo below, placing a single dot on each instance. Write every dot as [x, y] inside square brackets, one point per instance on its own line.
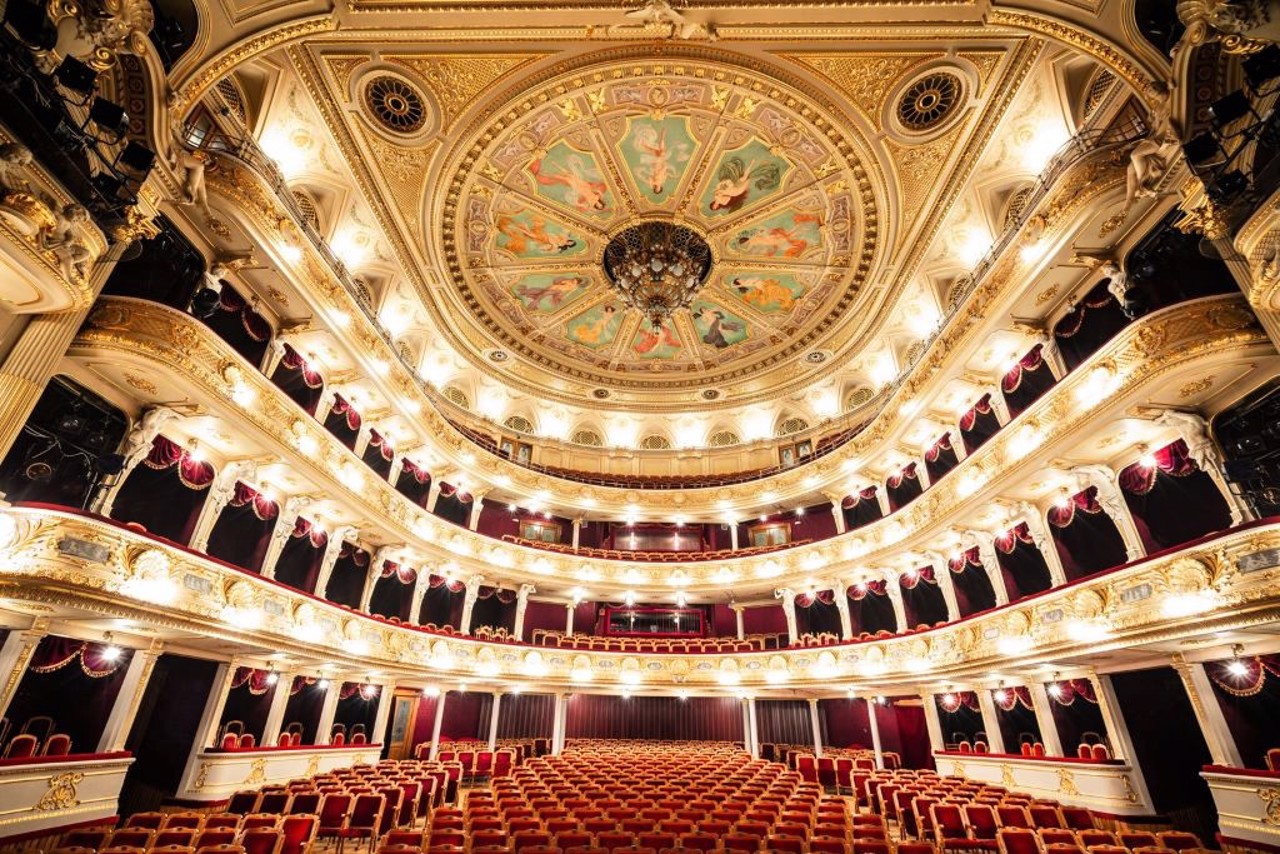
[27, 745]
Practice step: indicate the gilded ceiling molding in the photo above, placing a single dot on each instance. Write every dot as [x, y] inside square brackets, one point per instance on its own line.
[1142, 80]
[186, 90]
[1190, 336]
[155, 584]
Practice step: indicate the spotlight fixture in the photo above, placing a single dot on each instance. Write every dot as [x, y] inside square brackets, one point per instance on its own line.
[272, 677]
[1230, 108]
[136, 159]
[1261, 68]
[204, 304]
[1203, 150]
[109, 118]
[77, 78]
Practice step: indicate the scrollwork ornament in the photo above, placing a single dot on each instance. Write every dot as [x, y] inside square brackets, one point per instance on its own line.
[62, 793]
[1271, 804]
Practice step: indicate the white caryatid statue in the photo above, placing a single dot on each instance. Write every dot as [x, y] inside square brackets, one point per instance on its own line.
[1194, 430]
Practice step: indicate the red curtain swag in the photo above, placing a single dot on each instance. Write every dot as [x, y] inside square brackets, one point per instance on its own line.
[1072, 689]
[165, 454]
[300, 683]
[448, 490]
[859, 592]
[383, 444]
[305, 528]
[358, 556]
[55, 653]
[351, 689]
[908, 472]
[434, 581]
[404, 574]
[851, 501]
[415, 471]
[824, 597]
[264, 508]
[924, 573]
[1249, 684]
[293, 360]
[257, 680]
[1085, 501]
[965, 560]
[1070, 324]
[1173, 460]
[982, 407]
[255, 325]
[341, 406]
[1030, 363]
[943, 444]
[959, 700]
[1013, 697]
[1008, 541]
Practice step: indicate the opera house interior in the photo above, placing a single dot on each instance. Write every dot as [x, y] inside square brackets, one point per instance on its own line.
[584, 426]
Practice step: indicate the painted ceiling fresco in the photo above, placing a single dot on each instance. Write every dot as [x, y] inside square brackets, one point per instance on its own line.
[747, 163]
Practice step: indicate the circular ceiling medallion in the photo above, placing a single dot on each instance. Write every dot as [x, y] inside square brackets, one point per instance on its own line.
[600, 393]
[552, 186]
[711, 394]
[395, 104]
[498, 355]
[930, 101]
[815, 357]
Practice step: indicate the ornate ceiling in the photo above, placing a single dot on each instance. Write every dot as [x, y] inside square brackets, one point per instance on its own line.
[811, 174]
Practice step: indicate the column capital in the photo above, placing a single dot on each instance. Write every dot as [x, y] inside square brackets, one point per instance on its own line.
[525, 590]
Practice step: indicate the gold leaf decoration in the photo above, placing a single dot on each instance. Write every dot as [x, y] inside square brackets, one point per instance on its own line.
[62, 793]
[867, 80]
[456, 81]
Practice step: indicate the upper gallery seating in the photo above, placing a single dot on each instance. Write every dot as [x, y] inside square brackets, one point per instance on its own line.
[750, 643]
[661, 556]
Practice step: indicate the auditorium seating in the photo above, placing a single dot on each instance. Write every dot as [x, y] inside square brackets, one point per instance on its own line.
[652, 556]
[701, 646]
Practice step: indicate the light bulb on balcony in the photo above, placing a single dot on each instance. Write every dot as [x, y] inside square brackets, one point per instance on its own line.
[273, 678]
[1238, 669]
[111, 652]
[1055, 690]
[323, 684]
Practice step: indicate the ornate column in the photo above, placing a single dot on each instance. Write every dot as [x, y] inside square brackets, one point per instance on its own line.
[816, 723]
[125, 708]
[477, 505]
[990, 720]
[893, 588]
[990, 562]
[557, 722]
[1040, 701]
[275, 713]
[15, 655]
[568, 619]
[999, 406]
[415, 603]
[325, 403]
[737, 616]
[1108, 707]
[1222, 747]
[1113, 502]
[386, 699]
[932, 720]
[577, 532]
[397, 466]
[493, 720]
[788, 597]
[220, 493]
[290, 510]
[842, 608]
[946, 584]
[522, 603]
[1051, 354]
[469, 603]
[837, 512]
[137, 444]
[363, 437]
[437, 724]
[331, 550]
[1195, 432]
[328, 711]
[957, 445]
[380, 556]
[275, 353]
[1039, 530]
[733, 536]
[433, 495]
[875, 732]
[882, 498]
[922, 474]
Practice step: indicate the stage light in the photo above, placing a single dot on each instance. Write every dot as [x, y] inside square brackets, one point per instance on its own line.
[109, 118]
[137, 159]
[1230, 108]
[78, 78]
[1203, 150]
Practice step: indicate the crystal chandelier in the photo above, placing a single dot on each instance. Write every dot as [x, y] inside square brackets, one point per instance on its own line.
[657, 267]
